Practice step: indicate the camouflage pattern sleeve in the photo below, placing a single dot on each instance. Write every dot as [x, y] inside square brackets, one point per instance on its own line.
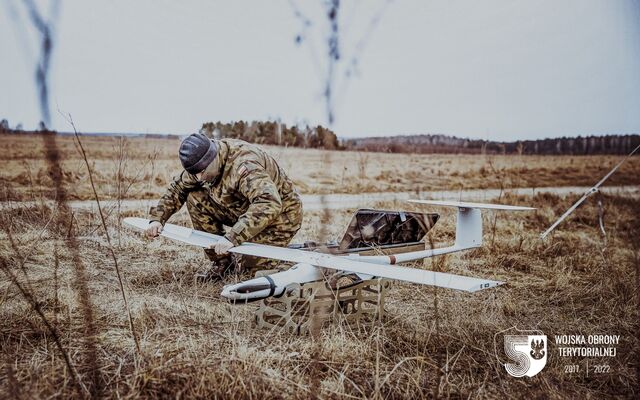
[256, 185]
[174, 197]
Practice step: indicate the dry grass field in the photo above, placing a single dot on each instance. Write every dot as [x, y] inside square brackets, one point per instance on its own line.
[136, 168]
[65, 330]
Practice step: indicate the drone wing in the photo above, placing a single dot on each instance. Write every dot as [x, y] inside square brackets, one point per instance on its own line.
[467, 204]
[413, 275]
[176, 232]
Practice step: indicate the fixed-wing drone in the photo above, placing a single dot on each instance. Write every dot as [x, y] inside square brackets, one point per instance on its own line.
[384, 230]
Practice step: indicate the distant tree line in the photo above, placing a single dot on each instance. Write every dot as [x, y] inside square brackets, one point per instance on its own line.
[6, 128]
[276, 133]
[610, 144]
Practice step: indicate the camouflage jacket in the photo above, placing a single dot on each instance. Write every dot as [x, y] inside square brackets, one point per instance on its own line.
[243, 181]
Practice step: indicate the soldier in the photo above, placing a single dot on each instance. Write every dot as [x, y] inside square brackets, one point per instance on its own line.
[234, 183]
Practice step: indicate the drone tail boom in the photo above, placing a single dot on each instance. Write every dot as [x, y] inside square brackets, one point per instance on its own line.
[468, 230]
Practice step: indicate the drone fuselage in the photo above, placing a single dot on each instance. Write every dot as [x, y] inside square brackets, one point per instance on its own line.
[271, 285]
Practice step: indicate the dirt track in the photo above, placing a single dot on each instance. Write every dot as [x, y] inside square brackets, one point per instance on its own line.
[345, 201]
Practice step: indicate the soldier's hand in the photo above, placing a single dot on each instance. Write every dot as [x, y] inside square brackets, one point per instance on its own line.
[222, 246]
[154, 229]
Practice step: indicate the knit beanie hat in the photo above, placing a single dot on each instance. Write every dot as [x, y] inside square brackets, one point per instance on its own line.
[196, 152]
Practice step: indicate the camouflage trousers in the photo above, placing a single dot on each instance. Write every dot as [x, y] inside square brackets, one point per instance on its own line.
[208, 216]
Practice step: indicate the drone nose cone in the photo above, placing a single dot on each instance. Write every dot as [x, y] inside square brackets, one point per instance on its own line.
[254, 289]
[226, 291]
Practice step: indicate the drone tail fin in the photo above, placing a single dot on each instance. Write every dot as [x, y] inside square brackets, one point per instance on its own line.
[469, 219]
[468, 228]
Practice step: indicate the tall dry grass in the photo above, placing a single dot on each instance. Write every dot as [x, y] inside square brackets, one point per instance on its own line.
[434, 343]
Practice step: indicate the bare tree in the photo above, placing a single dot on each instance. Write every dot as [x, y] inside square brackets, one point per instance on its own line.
[339, 65]
[45, 28]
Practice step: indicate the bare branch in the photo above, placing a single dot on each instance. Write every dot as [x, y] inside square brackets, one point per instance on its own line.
[45, 29]
[106, 231]
[28, 296]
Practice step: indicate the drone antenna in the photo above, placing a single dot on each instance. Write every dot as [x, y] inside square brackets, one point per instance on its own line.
[587, 194]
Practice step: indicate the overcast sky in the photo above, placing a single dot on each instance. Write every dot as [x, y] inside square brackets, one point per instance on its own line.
[502, 70]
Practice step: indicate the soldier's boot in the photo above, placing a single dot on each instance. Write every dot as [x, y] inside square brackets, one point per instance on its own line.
[217, 271]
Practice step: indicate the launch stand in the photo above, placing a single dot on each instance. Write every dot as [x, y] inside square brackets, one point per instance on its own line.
[303, 308]
[306, 308]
